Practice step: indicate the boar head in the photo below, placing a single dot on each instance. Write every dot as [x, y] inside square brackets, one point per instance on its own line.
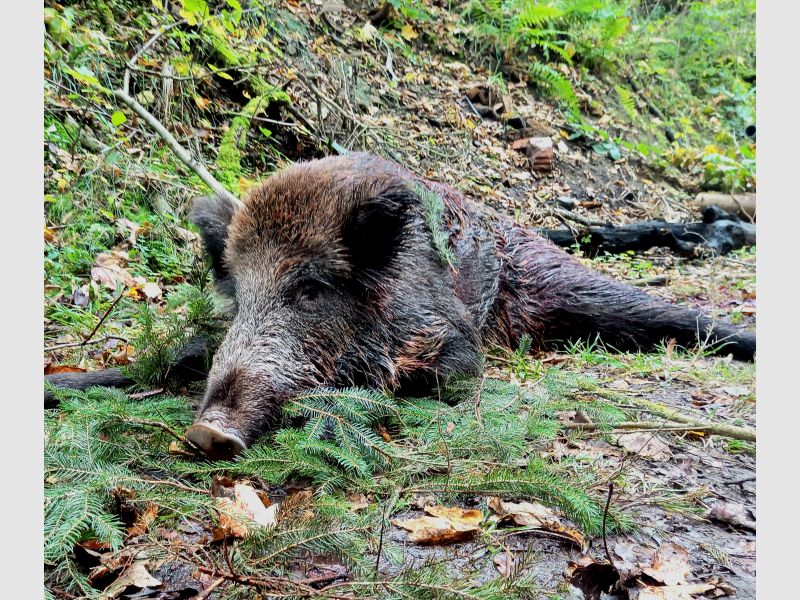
[335, 283]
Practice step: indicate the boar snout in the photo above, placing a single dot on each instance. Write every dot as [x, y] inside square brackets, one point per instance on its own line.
[216, 443]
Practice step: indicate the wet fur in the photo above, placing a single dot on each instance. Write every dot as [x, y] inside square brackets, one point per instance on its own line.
[337, 283]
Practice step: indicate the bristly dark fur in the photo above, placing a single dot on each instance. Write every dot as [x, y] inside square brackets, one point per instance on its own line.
[337, 282]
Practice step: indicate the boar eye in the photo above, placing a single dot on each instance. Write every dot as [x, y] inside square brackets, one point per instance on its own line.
[307, 290]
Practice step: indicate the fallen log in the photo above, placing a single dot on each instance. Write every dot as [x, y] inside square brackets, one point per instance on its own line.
[190, 365]
[719, 233]
[743, 205]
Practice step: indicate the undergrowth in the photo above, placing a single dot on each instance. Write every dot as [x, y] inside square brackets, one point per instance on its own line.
[100, 447]
[676, 78]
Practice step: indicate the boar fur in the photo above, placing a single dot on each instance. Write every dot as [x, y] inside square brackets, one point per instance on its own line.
[336, 282]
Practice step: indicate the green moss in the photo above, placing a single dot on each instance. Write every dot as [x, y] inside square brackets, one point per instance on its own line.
[229, 156]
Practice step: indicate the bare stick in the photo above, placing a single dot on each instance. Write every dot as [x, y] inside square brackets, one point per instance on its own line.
[84, 343]
[104, 317]
[605, 515]
[126, 82]
[730, 431]
[175, 146]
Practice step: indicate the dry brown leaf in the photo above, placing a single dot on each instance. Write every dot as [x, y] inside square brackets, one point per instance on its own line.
[136, 575]
[468, 516]
[644, 444]
[408, 32]
[733, 513]
[437, 530]
[673, 592]
[53, 369]
[152, 290]
[358, 502]
[670, 565]
[245, 510]
[506, 563]
[142, 523]
[533, 514]
[109, 269]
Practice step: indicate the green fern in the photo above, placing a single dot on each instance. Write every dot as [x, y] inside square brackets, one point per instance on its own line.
[553, 81]
[627, 100]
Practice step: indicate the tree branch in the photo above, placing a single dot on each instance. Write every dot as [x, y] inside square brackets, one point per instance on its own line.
[175, 146]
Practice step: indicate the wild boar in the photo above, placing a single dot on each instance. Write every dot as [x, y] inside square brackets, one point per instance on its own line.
[353, 271]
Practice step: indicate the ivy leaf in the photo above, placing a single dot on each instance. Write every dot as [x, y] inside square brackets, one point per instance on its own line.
[118, 118]
[614, 152]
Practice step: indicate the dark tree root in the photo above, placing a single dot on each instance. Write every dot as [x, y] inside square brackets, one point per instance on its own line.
[190, 365]
[719, 232]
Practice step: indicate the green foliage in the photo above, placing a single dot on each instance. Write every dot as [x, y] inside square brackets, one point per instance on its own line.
[433, 207]
[162, 339]
[695, 65]
[477, 437]
[627, 100]
[466, 433]
[96, 445]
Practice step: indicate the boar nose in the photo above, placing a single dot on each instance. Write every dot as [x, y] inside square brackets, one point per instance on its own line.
[216, 443]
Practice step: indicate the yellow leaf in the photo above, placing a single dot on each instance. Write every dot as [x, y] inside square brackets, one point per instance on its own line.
[408, 32]
[202, 103]
[49, 236]
[62, 184]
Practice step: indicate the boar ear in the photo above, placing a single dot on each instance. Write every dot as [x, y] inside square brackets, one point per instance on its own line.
[373, 232]
[212, 215]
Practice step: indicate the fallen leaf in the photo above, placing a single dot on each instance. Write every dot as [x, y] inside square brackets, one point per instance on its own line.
[152, 290]
[670, 564]
[136, 575]
[732, 513]
[538, 516]
[110, 271]
[506, 563]
[358, 502]
[645, 444]
[132, 229]
[53, 369]
[49, 235]
[202, 103]
[446, 525]
[408, 32]
[673, 592]
[142, 524]
[238, 515]
[436, 530]
[80, 297]
[455, 514]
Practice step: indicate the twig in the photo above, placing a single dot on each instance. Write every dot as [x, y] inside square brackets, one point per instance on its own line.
[131, 65]
[207, 592]
[478, 404]
[652, 281]
[84, 343]
[380, 544]
[103, 318]
[147, 394]
[730, 431]
[175, 146]
[605, 515]
[562, 214]
[166, 428]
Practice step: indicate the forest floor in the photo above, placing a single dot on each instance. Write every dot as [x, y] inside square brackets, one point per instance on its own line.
[689, 496]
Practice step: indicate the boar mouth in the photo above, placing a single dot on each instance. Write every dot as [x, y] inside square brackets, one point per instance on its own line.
[215, 443]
